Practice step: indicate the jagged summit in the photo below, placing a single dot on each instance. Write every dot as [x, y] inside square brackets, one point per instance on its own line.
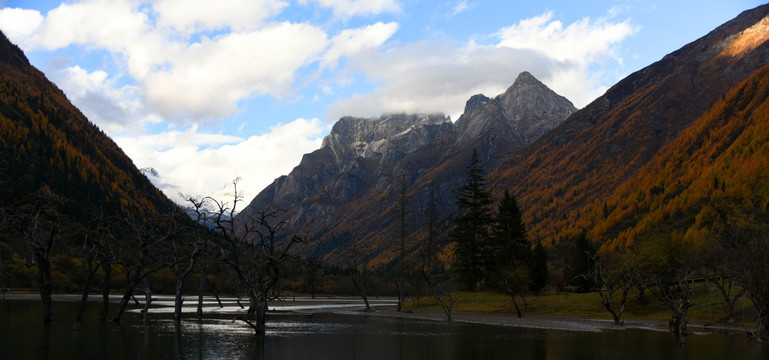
[378, 137]
[525, 111]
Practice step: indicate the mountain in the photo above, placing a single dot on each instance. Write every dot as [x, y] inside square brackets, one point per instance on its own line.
[579, 165]
[46, 144]
[715, 171]
[348, 189]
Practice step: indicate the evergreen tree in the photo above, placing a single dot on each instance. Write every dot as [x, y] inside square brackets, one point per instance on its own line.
[538, 267]
[471, 226]
[582, 263]
[509, 251]
[509, 241]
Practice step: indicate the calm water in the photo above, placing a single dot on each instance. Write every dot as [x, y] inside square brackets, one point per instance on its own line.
[330, 336]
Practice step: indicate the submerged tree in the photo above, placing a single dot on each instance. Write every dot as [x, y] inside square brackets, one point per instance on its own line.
[97, 253]
[471, 226]
[253, 248]
[139, 256]
[42, 227]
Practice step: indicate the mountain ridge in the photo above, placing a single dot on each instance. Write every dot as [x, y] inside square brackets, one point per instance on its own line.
[350, 171]
[48, 145]
[621, 131]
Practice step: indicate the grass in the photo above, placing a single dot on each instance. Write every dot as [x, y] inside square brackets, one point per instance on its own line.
[708, 307]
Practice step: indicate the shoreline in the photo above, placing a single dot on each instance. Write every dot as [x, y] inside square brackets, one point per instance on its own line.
[385, 308]
[549, 322]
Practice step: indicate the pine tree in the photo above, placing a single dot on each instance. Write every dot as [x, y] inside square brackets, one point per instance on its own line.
[538, 267]
[471, 226]
[509, 251]
[509, 242]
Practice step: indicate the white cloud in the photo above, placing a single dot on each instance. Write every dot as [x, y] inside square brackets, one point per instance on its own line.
[108, 24]
[115, 109]
[584, 41]
[191, 16]
[352, 41]
[19, 23]
[441, 75]
[206, 80]
[437, 76]
[350, 8]
[201, 164]
[461, 7]
[580, 44]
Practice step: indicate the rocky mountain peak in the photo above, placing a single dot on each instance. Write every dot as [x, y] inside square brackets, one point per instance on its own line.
[475, 102]
[372, 138]
[525, 111]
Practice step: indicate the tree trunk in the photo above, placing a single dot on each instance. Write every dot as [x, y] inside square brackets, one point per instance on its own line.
[178, 300]
[682, 324]
[517, 309]
[105, 291]
[147, 296]
[261, 315]
[84, 298]
[44, 282]
[216, 295]
[201, 289]
[362, 292]
[123, 304]
[400, 295]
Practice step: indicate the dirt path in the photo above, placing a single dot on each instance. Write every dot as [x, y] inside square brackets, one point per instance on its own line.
[553, 322]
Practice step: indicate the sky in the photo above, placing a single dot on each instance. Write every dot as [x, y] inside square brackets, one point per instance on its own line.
[206, 91]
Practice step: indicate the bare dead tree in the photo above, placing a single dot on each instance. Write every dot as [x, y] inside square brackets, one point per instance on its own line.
[137, 254]
[746, 251]
[400, 282]
[440, 283]
[668, 268]
[200, 215]
[185, 249]
[42, 226]
[97, 251]
[613, 274]
[359, 272]
[253, 248]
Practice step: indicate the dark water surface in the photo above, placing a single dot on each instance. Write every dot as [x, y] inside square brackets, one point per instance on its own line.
[333, 336]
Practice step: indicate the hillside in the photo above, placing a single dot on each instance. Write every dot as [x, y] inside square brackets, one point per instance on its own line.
[581, 163]
[48, 144]
[716, 171]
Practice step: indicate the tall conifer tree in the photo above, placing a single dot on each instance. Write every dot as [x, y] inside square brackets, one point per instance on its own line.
[471, 226]
[509, 241]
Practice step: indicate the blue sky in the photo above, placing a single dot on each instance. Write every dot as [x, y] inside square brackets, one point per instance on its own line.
[206, 91]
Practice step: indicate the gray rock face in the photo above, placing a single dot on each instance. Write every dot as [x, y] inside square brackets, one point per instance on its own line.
[355, 152]
[386, 138]
[524, 112]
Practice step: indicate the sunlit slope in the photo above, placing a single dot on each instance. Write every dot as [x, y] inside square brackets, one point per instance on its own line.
[582, 162]
[47, 144]
[718, 167]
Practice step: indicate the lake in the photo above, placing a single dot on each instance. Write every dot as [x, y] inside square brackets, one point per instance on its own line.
[333, 336]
